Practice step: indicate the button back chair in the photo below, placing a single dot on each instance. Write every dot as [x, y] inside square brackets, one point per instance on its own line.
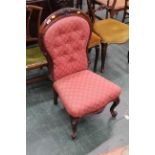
[34, 57]
[64, 39]
[111, 31]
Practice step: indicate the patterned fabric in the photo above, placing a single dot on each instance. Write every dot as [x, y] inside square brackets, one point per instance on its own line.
[111, 31]
[120, 4]
[66, 42]
[85, 92]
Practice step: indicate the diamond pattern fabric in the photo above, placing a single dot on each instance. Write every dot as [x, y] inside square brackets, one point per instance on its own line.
[66, 41]
[85, 92]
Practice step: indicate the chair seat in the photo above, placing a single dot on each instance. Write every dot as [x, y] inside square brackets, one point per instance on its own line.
[94, 40]
[120, 4]
[85, 92]
[34, 57]
[111, 31]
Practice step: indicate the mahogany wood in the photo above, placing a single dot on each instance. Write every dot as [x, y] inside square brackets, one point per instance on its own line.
[58, 15]
[104, 46]
[55, 97]
[113, 112]
[103, 55]
[30, 38]
[79, 4]
[37, 79]
[126, 11]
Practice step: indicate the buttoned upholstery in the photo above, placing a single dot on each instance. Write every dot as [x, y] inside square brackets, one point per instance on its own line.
[85, 92]
[66, 43]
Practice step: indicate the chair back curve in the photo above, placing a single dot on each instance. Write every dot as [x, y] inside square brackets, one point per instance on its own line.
[64, 37]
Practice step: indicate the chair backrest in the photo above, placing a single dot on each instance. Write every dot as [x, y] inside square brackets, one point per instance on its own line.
[64, 37]
[33, 19]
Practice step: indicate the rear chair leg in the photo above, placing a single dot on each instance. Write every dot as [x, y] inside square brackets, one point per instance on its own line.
[113, 112]
[97, 48]
[74, 122]
[55, 97]
[103, 54]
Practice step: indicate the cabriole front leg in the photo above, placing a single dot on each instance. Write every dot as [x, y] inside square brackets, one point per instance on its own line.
[114, 105]
[74, 123]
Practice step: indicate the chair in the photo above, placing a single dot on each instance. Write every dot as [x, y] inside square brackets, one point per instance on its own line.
[112, 6]
[34, 57]
[110, 31]
[64, 38]
[126, 11]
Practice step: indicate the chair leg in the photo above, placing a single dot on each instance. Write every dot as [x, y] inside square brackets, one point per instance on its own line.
[124, 15]
[107, 11]
[55, 97]
[96, 57]
[74, 123]
[89, 51]
[113, 112]
[103, 54]
[112, 13]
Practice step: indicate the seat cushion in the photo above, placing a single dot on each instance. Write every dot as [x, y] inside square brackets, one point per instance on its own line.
[94, 40]
[120, 4]
[34, 56]
[112, 31]
[85, 92]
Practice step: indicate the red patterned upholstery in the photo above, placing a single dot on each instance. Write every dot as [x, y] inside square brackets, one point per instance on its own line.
[66, 42]
[85, 92]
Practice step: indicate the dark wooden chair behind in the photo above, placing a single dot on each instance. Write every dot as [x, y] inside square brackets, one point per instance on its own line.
[111, 31]
[112, 7]
[126, 11]
[34, 57]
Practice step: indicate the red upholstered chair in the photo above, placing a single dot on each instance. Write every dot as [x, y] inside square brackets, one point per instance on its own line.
[64, 38]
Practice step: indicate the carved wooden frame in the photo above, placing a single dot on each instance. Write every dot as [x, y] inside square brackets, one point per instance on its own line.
[51, 19]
